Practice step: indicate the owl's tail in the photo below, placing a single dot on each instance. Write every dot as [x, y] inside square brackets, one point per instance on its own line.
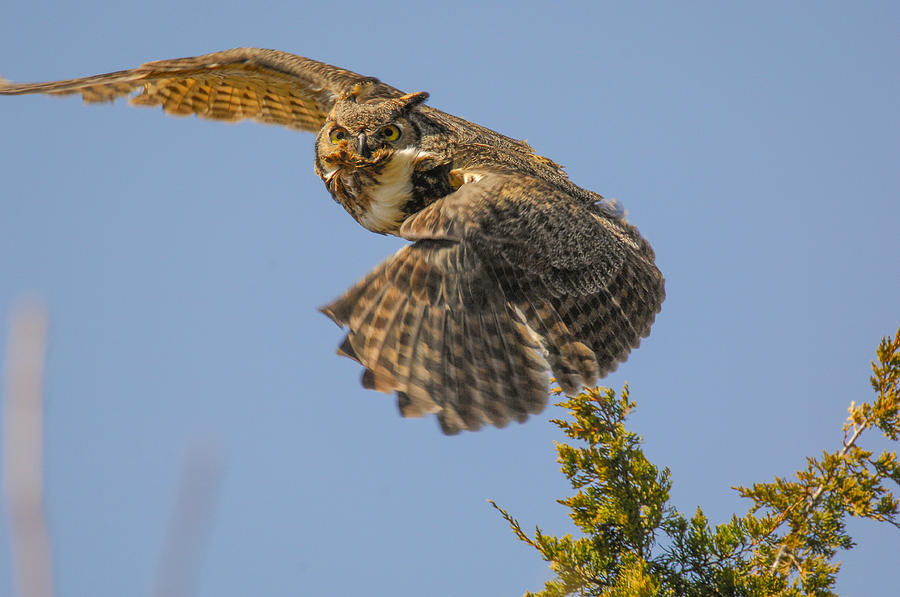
[424, 326]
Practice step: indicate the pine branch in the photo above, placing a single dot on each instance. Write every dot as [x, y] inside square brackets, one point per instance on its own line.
[883, 415]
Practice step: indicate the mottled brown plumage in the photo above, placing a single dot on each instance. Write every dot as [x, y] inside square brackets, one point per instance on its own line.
[514, 272]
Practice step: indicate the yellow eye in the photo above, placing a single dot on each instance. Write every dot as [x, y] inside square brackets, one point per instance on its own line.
[337, 135]
[390, 133]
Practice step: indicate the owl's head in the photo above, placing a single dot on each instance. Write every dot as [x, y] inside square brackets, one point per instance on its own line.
[363, 132]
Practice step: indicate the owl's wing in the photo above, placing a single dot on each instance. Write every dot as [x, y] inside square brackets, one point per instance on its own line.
[507, 277]
[244, 83]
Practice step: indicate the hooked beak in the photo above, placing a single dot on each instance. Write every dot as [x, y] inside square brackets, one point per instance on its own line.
[361, 147]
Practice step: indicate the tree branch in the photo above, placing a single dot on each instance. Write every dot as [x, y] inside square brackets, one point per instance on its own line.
[23, 423]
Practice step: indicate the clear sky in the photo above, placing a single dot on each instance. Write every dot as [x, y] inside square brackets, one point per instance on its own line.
[757, 147]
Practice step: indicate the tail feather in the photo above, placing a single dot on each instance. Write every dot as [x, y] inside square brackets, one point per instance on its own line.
[417, 396]
[486, 402]
[471, 338]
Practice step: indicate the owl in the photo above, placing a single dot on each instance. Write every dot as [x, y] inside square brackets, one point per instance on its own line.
[513, 273]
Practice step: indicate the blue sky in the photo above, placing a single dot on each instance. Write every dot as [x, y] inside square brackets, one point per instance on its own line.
[756, 146]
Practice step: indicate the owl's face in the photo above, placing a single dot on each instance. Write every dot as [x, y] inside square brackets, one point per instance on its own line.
[365, 154]
[359, 131]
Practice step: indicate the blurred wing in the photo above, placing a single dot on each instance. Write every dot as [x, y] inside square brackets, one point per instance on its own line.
[507, 277]
[244, 83]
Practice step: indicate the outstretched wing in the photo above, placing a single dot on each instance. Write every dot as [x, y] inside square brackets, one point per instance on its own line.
[244, 83]
[507, 277]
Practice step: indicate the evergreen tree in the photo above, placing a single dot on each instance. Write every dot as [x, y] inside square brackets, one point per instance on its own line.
[636, 544]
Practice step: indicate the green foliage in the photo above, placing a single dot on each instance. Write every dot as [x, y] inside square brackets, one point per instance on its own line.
[635, 544]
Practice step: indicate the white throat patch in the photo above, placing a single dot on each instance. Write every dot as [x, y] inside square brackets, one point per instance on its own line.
[392, 192]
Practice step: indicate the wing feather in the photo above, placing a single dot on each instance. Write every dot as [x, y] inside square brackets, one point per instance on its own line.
[267, 86]
[507, 278]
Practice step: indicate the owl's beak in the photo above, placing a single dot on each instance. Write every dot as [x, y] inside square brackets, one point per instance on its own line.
[361, 147]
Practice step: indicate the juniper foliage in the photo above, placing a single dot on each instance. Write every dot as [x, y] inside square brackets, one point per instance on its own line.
[635, 544]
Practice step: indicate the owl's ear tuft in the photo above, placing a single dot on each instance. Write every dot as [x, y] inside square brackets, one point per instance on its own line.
[409, 101]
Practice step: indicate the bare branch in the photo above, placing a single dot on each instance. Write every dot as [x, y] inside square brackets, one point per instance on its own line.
[189, 522]
[23, 422]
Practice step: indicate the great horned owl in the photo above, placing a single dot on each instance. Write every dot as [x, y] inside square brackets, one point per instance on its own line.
[513, 270]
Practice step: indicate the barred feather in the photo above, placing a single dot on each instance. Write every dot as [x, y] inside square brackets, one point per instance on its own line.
[514, 271]
[466, 322]
[243, 83]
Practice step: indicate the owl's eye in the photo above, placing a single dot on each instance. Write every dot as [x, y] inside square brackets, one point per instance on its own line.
[390, 133]
[338, 135]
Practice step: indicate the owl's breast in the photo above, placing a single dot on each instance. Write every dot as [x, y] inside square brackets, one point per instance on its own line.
[382, 194]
